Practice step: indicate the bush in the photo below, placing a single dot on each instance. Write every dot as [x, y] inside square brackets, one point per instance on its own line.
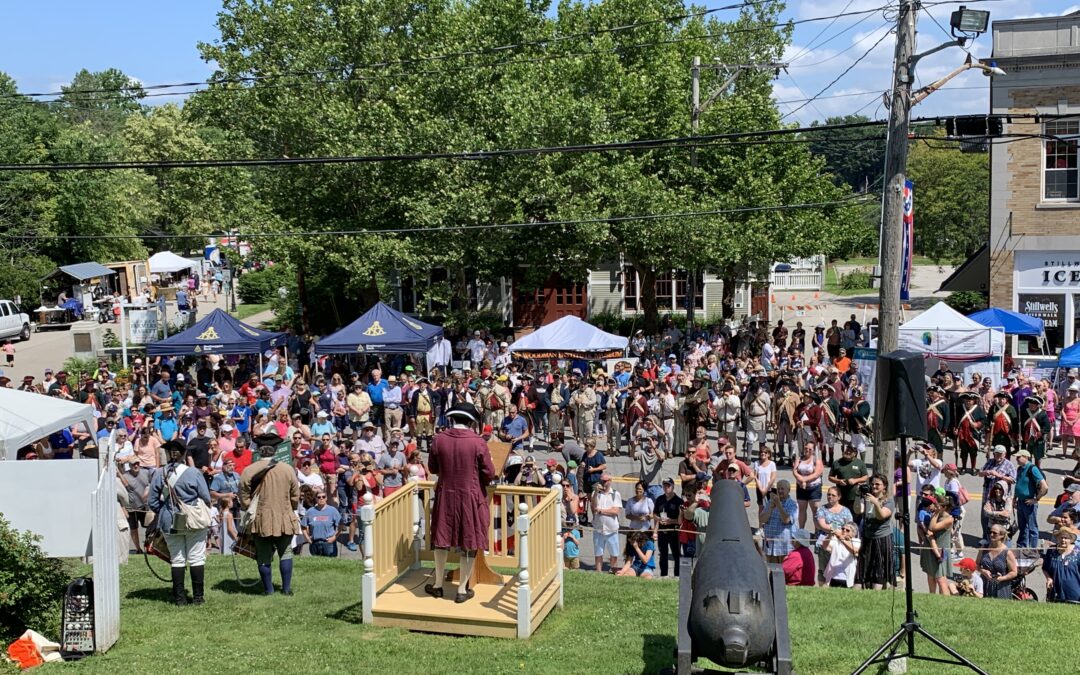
[856, 280]
[31, 585]
[262, 286]
[966, 302]
[462, 322]
[76, 367]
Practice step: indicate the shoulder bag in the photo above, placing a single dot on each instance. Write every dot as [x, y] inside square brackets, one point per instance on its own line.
[187, 517]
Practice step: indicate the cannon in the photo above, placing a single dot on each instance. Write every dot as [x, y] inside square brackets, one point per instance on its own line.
[733, 606]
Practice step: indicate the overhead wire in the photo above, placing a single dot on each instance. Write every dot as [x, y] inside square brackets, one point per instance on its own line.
[254, 79]
[855, 199]
[810, 43]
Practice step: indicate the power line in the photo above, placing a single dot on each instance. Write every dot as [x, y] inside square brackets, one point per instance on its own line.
[846, 49]
[840, 76]
[645, 144]
[810, 43]
[253, 79]
[854, 200]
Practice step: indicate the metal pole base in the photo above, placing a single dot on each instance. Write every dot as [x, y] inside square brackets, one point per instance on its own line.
[906, 633]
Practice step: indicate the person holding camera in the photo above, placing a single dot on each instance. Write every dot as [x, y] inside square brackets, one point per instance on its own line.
[876, 567]
[529, 475]
[777, 518]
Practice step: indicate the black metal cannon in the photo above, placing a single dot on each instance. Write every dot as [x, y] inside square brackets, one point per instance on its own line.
[733, 607]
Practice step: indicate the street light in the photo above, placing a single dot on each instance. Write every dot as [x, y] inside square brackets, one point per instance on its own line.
[987, 69]
[970, 22]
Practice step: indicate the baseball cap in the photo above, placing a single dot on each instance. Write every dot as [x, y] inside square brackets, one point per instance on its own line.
[488, 429]
[999, 448]
[179, 377]
[552, 462]
[966, 564]
[1024, 453]
[668, 481]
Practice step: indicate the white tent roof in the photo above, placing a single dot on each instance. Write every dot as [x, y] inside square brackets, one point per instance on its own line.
[569, 337]
[943, 332]
[26, 417]
[168, 262]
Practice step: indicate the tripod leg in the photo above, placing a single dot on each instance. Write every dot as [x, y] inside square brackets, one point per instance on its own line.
[949, 650]
[891, 643]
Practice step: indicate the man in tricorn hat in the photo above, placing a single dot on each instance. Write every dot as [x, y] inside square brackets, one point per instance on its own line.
[274, 522]
[969, 431]
[937, 418]
[1035, 429]
[459, 517]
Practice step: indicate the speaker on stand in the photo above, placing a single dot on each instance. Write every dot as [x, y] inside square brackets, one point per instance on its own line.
[901, 403]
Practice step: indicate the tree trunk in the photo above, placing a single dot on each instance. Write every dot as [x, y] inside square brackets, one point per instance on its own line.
[301, 298]
[728, 276]
[647, 281]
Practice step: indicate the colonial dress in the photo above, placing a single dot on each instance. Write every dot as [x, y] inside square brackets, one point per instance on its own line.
[459, 517]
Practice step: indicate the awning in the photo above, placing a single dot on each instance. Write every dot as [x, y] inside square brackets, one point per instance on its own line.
[83, 271]
[972, 275]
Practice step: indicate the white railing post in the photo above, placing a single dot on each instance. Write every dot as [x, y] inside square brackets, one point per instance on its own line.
[367, 585]
[524, 597]
[418, 522]
[560, 518]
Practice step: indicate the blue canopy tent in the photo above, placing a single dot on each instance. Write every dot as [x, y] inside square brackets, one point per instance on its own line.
[1013, 323]
[381, 330]
[217, 333]
[1070, 357]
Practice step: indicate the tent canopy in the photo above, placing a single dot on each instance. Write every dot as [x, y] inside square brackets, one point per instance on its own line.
[570, 337]
[82, 271]
[216, 333]
[1070, 357]
[1014, 323]
[381, 330]
[26, 417]
[945, 333]
[168, 262]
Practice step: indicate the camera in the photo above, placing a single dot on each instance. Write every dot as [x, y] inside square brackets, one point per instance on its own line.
[864, 489]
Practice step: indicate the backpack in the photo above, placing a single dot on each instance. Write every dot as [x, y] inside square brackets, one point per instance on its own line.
[187, 517]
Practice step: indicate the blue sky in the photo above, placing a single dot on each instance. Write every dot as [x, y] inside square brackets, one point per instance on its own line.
[155, 42]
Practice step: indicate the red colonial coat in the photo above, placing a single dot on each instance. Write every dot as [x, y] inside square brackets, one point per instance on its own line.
[460, 515]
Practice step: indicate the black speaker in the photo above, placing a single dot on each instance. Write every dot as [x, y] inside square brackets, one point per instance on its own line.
[901, 395]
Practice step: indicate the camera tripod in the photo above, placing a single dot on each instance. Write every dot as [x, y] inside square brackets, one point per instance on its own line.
[910, 627]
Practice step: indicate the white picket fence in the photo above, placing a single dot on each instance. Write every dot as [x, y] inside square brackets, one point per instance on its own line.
[797, 280]
[105, 545]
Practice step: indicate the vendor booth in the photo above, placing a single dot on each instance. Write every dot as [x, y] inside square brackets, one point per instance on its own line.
[167, 262]
[569, 338]
[381, 330]
[1027, 328]
[217, 333]
[967, 346]
[80, 517]
[73, 293]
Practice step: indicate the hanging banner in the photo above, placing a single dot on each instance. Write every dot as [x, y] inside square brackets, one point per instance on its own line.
[908, 240]
[867, 360]
[143, 325]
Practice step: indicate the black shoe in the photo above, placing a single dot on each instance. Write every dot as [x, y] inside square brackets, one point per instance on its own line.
[288, 592]
[464, 597]
[432, 591]
[179, 596]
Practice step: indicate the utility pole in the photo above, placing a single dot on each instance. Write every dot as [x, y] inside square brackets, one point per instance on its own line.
[731, 73]
[893, 206]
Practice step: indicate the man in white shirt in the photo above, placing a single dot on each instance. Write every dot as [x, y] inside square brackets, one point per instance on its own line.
[370, 442]
[502, 360]
[607, 503]
[926, 467]
[477, 349]
[439, 356]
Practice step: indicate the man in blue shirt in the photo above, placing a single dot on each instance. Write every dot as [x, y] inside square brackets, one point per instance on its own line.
[182, 300]
[320, 524]
[1030, 487]
[375, 390]
[514, 429]
[165, 423]
[162, 390]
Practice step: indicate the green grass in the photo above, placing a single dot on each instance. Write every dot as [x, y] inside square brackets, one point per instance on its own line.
[610, 625]
[917, 260]
[244, 311]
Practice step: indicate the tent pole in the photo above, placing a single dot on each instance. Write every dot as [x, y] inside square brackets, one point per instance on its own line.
[123, 335]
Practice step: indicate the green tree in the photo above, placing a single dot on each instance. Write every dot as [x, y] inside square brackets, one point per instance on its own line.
[854, 156]
[104, 99]
[952, 207]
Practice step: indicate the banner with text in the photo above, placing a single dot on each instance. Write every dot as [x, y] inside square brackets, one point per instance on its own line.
[143, 326]
[908, 240]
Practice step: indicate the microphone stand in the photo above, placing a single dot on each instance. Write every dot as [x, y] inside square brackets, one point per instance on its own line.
[910, 627]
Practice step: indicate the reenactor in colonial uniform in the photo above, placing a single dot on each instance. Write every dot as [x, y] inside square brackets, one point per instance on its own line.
[937, 418]
[1004, 425]
[1036, 428]
[969, 431]
[727, 414]
[787, 401]
[828, 422]
[583, 403]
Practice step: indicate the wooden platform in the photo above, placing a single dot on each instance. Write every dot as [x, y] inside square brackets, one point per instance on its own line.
[491, 613]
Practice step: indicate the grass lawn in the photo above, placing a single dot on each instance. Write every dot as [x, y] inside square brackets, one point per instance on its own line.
[244, 311]
[610, 625]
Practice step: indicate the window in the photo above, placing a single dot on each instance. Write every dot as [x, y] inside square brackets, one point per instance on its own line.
[569, 293]
[1049, 308]
[671, 291]
[1060, 164]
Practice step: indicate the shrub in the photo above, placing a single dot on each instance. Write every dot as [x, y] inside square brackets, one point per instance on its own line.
[262, 286]
[31, 585]
[461, 322]
[966, 302]
[856, 280]
[76, 367]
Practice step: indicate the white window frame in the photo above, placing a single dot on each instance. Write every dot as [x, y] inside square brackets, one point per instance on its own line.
[1048, 129]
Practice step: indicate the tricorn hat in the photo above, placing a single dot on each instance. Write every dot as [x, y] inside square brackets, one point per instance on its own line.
[465, 410]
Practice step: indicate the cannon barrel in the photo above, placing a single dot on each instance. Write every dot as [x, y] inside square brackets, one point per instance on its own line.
[731, 620]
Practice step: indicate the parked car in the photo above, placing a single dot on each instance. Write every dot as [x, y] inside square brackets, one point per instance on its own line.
[13, 321]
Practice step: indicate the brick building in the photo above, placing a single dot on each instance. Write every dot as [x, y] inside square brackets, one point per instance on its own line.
[1031, 262]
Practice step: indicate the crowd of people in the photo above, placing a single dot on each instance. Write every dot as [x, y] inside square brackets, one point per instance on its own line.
[722, 403]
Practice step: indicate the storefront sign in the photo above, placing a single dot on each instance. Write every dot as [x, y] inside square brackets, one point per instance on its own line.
[144, 326]
[1049, 308]
[1047, 269]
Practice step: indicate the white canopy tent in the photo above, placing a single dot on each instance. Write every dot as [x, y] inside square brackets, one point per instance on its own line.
[168, 262]
[26, 417]
[570, 337]
[944, 333]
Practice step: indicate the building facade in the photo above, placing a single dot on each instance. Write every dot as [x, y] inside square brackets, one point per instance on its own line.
[1032, 258]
